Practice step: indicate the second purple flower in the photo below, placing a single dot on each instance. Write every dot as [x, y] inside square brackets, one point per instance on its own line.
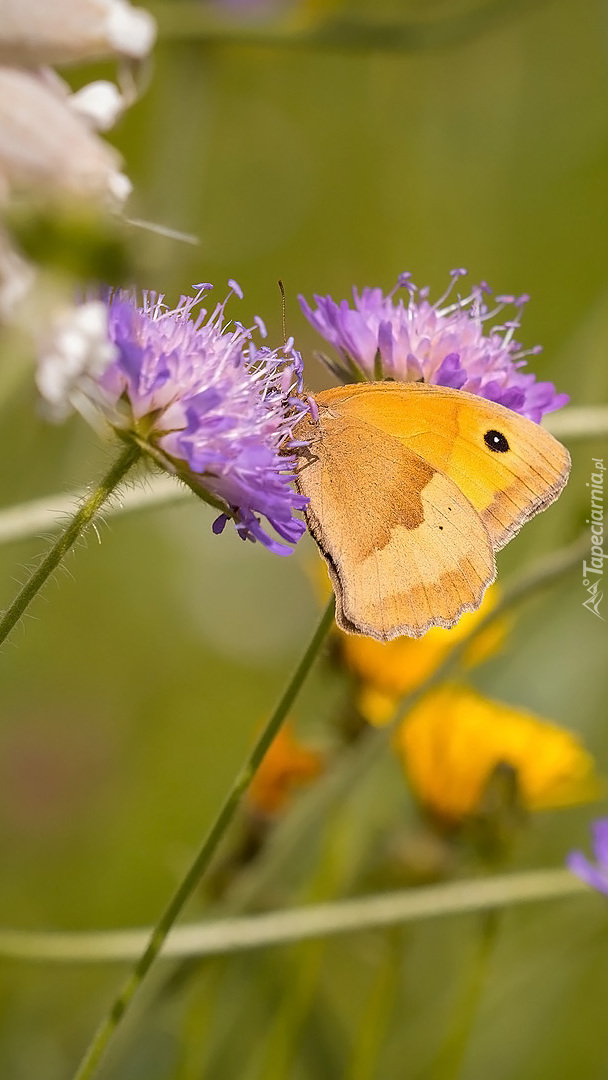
[454, 342]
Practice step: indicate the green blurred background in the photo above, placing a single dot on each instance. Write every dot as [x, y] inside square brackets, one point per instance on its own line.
[131, 697]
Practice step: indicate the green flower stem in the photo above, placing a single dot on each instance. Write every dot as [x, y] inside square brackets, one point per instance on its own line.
[356, 760]
[83, 516]
[184, 475]
[185, 889]
[202, 493]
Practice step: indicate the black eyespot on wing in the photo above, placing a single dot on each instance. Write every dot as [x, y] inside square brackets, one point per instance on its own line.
[496, 441]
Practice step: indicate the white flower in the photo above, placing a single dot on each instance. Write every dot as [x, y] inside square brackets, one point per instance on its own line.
[34, 32]
[78, 350]
[16, 277]
[48, 146]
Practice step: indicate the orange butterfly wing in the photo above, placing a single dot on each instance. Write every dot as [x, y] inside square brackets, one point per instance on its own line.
[409, 500]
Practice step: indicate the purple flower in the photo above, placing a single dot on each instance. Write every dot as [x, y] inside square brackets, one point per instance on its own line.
[596, 874]
[198, 395]
[449, 343]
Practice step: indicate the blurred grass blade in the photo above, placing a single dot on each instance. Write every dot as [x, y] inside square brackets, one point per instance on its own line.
[299, 924]
[165, 231]
[44, 515]
[584, 422]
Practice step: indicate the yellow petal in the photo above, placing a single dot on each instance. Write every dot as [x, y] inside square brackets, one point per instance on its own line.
[454, 739]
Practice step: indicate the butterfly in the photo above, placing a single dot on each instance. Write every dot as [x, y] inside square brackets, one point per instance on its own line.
[413, 488]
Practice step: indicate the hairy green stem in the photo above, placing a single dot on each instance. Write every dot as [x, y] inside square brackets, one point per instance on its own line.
[83, 516]
[186, 887]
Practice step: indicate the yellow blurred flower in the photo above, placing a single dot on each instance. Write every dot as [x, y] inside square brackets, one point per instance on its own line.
[454, 740]
[288, 765]
[396, 667]
[375, 706]
[388, 670]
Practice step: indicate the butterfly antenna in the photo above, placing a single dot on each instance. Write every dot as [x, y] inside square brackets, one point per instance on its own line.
[283, 316]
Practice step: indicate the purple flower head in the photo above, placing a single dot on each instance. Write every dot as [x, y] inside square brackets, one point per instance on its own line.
[594, 874]
[449, 343]
[202, 398]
